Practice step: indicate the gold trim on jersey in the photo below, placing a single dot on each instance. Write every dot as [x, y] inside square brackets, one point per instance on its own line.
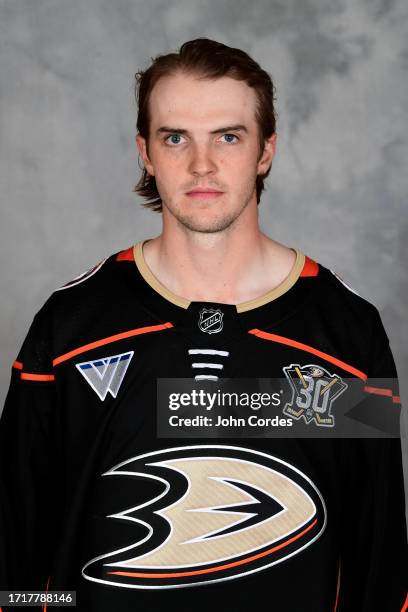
[274, 293]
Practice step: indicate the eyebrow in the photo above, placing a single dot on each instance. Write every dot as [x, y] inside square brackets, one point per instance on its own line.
[228, 128]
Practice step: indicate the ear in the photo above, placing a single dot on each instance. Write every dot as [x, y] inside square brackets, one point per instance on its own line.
[268, 153]
[141, 145]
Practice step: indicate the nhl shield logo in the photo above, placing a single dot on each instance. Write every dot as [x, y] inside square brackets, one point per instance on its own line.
[210, 320]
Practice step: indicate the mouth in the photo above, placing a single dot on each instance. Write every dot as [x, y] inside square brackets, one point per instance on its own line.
[204, 194]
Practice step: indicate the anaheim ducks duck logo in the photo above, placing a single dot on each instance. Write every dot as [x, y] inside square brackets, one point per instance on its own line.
[313, 391]
[206, 513]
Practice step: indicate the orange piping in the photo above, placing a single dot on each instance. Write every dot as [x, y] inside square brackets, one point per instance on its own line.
[220, 567]
[109, 339]
[309, 349]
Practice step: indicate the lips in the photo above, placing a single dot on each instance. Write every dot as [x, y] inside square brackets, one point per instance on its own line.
[204, 194]
[197, 191]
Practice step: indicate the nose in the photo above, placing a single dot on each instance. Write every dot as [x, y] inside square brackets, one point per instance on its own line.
[202, 161]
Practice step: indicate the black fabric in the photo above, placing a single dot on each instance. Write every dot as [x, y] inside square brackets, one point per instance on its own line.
[60, 444]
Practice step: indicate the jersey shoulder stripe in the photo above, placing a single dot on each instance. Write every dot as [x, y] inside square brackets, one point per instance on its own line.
[122, 255]
[125, 255]
[310, 268]
[83, 276]
[343, 282]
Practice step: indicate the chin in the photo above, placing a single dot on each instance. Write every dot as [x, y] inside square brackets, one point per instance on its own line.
[206, 225]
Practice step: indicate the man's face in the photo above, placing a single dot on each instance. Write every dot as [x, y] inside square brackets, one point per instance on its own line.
[185, 153]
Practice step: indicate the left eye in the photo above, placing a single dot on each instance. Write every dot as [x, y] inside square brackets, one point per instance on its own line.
[229, 135]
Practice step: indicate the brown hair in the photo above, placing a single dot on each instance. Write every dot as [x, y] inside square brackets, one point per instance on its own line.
[207, 59]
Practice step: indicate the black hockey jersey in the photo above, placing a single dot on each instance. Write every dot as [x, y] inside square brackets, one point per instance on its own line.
[139, 504]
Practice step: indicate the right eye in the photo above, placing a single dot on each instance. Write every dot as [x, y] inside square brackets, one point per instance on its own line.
[172, 136]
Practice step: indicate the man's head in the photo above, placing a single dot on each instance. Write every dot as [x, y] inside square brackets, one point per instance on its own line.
[189, 105]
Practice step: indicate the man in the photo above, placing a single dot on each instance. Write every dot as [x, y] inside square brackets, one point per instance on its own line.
[101, 491]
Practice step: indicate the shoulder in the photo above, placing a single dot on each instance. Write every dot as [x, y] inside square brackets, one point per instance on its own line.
[95, 279]
[339, 289]
[98, 271]
[348, 308]
[78, 302]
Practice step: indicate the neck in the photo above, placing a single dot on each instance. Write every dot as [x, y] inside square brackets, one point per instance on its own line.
[228, 267]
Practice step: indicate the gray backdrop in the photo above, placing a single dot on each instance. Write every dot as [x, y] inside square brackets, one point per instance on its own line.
[339, 183]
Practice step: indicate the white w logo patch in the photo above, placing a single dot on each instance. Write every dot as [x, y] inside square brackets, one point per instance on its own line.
[106, 374]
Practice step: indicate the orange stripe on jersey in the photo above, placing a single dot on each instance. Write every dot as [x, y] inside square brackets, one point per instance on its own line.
[109, 339]
[126, 254]
[383, 391]
[46, 590]
[309, 349]
[405, 605]
[378, 390]
[310, 268]
[337, 588]
[30, 376]
[209, 570]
